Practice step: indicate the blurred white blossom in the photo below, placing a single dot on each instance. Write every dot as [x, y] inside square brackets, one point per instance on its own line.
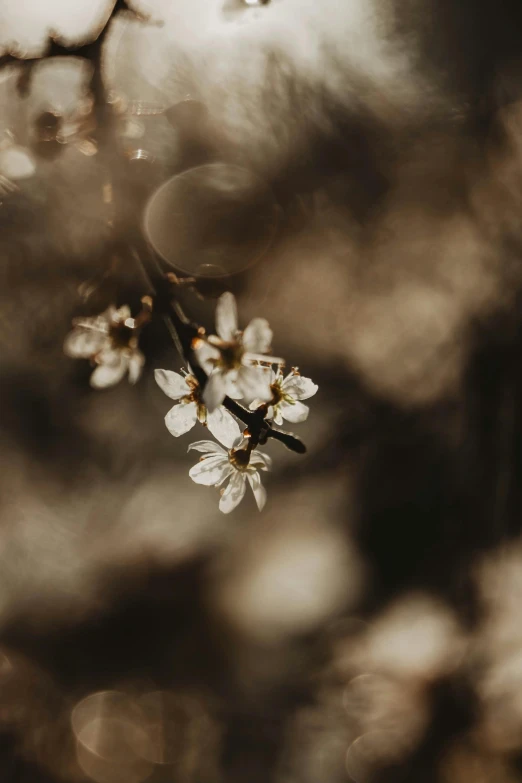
[417, 639]
[291, 573]
[238, 465]
[110, 341]
[498, 648]
[25, 28]
[287, 393]
[191, 408]
[228, 357]
[16, 163]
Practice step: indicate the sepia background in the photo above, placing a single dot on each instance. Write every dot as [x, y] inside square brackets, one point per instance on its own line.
[367, 625]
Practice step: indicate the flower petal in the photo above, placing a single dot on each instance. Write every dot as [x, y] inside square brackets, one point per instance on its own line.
[207, 446]
[136, 363]
[206, 356]
[260, 460]
[278, 419]
[258, 489]
[234, 493]
[257, 337]
[211, 471]
[254, 382]
[181, 418]
[172, 384]
[108, 314]
[294, 413]
[83, 343]
[215, 390]
[111, 356]
[226, 317]
[17, 163]
[106, 375]
[299, 387]
[231, 387]
[223, 426]
[121, 315]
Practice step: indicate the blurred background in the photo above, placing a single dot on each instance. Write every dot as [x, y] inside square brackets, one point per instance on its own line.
[362, 190]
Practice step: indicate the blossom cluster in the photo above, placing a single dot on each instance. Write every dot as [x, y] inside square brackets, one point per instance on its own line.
[110, 341]
[236, 365]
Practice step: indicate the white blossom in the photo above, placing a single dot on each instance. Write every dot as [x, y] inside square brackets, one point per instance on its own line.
[238, 466]
[228, 357]
[110, 341]
[190, 408]
[287, 393]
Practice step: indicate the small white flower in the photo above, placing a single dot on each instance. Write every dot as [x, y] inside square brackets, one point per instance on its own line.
[227, 358]
[237, 465]
[287, 393]
[190, 408]
[110, 341]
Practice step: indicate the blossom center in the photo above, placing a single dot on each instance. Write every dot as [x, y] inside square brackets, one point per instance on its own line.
[230, 356]
[239, 458]
[121, 336]
[195, 396]
[279, 395]
[277, 392]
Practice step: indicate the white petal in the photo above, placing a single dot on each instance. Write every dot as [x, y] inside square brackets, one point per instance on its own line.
[16, 163]
[226, 317]
[136, 363]
[215, 390]
[223, 426]
[172, 384]
[206, 356]
[254, 382]
[108, 314]
[278, 419]
[121, 315]
[260, 460]
[211, 471]
[266, 372]
[83, 343]
[294, 413]
[207, 446]
[181, 418]
[109, 374]
[234, 493]
[299, 387]
[257, 337]
[231, 387]
[111, 356]
[233, 391]
[258, 489]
